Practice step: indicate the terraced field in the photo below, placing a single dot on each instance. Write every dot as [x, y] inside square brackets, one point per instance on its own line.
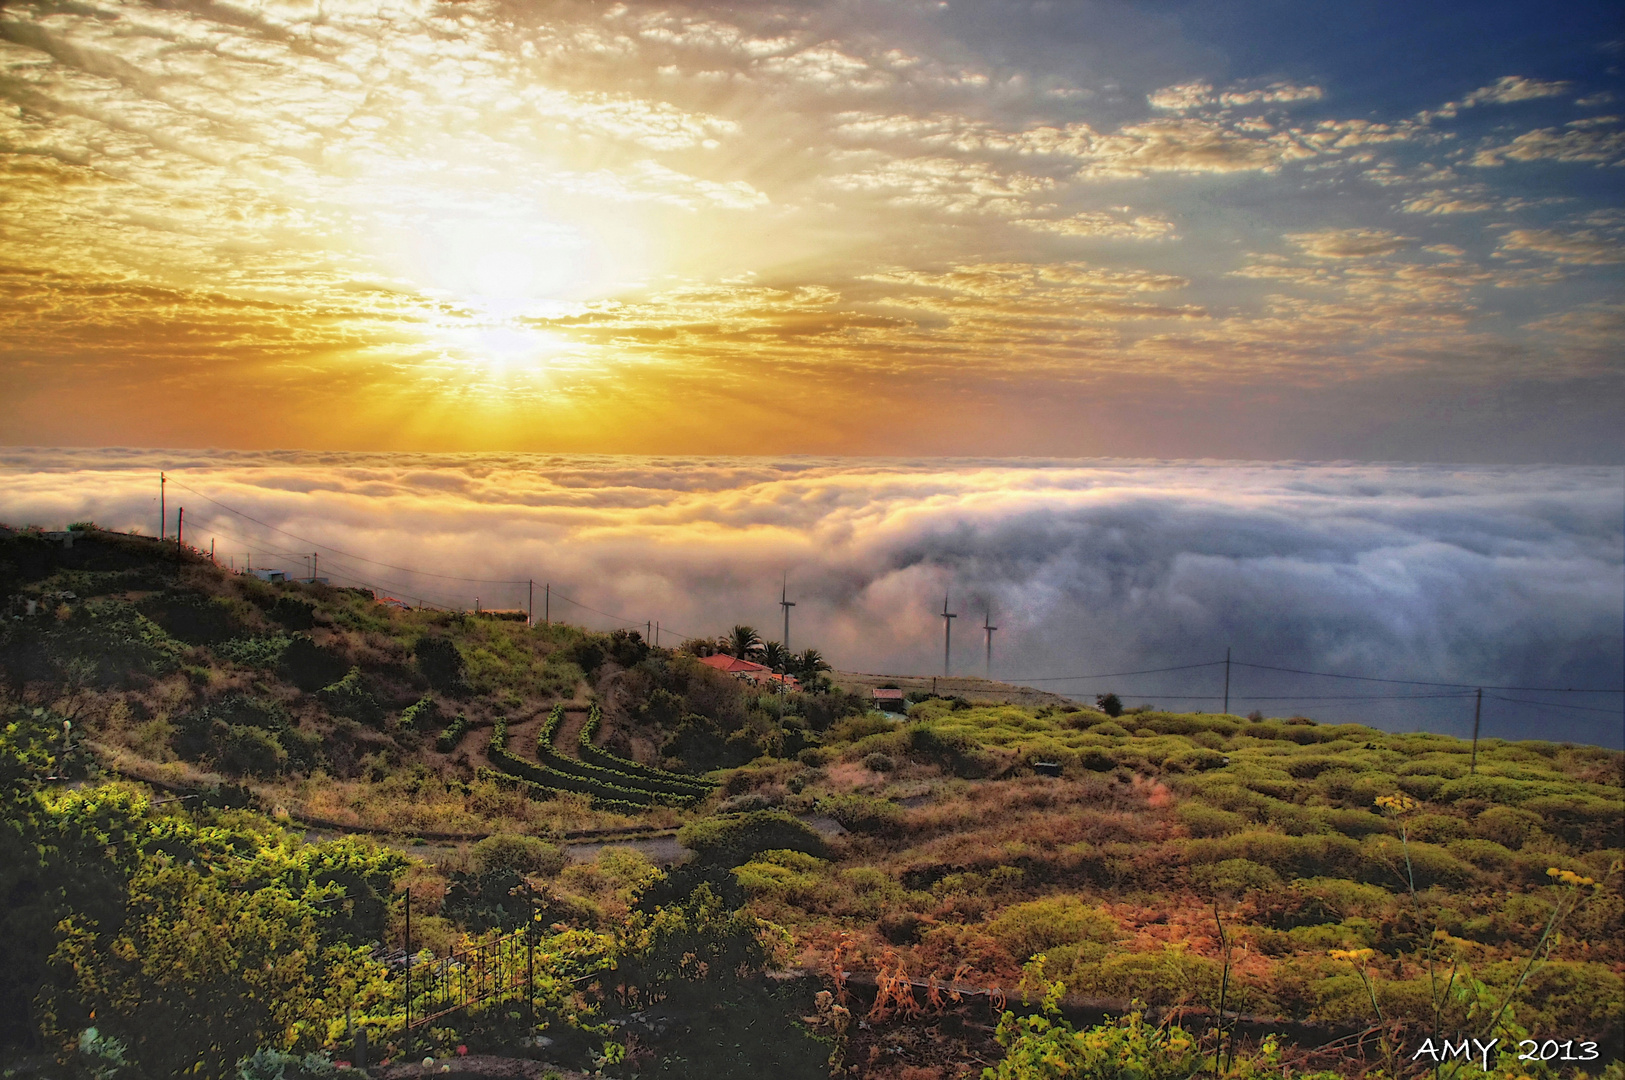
[611, 782]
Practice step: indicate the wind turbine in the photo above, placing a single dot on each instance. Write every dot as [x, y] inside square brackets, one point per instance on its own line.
[786, 603]
[987, 618]
[947, 632]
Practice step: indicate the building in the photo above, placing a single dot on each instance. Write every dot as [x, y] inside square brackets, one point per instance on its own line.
[890, 699]
[275, 577]
[750, 671]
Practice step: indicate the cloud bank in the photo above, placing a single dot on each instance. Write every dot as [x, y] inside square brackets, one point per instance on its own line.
[1507, 576]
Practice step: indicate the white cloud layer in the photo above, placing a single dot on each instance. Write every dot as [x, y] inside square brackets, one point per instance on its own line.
[1499, 575]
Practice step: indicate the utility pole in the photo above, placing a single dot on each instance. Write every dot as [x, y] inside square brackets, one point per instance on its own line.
[547, 604]
[648, 631]
[657, 633]
[530, 605]
[163, 510]
[211, 550]
[406, 1033]
[786, 603]
[947, 633]
[316, 566]
[1227, 680]
[180, 525]
[1478, 710]
[987, 625]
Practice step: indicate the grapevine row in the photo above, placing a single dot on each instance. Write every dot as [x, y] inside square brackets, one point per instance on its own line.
[594, 754]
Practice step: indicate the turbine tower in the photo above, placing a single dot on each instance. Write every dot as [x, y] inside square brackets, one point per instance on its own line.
[947, 633]
[786, 603]
[987, 625]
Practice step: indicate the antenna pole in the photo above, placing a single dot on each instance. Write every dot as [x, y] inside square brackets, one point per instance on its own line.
[1478, 709]
[163, 510]
[1227, 680]
[947, 634]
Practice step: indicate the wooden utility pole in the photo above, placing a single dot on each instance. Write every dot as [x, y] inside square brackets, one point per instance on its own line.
[547, 603]
[530, 605]
[1227, 680]
[180, 525]
[163, 510]
[1478, 710]
[211, 550]
[315, 566]
[407, 981]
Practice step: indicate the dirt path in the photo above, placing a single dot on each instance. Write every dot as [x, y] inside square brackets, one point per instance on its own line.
[522, 736]
[575, 716]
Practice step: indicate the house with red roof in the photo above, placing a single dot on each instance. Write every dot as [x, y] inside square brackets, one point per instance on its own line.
[750, 671]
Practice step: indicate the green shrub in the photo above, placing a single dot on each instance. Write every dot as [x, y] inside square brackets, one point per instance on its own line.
[1110, 727]
[349, 697]
[1235, 876]
[1034, 927]
[1508, 826]
[252, 751]
[1197, 759]
[521, 854]
[422, 713]
[1484, 854]
[1385, 863]
[863, 814]
[879, 762]
[735, 840]
[1207, 821]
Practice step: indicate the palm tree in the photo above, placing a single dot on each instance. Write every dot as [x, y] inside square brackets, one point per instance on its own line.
[809, 663]
[742, 642]
[775, 656]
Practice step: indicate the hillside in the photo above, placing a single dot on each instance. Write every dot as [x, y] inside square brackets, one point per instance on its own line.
[1322, 881]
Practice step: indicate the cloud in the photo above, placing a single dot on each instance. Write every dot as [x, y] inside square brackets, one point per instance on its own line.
[1109, 225]
[1195, 95]
[1349, 243]
[1579, 141]
[1500, 575]
[1584, 247]
[1511, 88]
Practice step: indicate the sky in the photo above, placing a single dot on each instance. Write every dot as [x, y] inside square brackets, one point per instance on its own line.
[1497, 576]
[1278, 231]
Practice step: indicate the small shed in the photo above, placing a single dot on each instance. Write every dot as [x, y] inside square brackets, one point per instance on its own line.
[1047, 768]
[890, 699]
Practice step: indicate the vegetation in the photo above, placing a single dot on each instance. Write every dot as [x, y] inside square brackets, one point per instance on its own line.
[1302, 873]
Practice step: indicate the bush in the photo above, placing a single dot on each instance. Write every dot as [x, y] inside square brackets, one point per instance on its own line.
[440, 663]
[1208, 821]
[735, 840]
[862, 814]
[349, 697]
[879, 762]
[448, 739]
[1508, 826]
[1110, 704]
[1484, 854]
[1031, 928]
[310, 666]
[252, 751]
[520, 854]
[1235, 876]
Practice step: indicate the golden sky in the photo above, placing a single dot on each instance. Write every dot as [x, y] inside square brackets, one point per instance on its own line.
[846, 228]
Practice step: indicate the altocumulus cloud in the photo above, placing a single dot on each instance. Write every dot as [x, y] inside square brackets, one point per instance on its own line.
[1500, 575]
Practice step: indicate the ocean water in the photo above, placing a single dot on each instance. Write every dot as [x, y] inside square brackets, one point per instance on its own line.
[1511, 578]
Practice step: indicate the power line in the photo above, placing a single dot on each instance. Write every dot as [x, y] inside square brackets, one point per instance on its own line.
[1121, 674]
[1420, 682]
[340, 551]
[1557, 705]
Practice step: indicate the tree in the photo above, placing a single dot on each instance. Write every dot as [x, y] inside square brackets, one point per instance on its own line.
[1110, 704]
[742, 642]
[808, 663]
[775, 656]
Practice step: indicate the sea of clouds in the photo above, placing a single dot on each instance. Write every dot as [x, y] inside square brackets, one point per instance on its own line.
[1502, 576]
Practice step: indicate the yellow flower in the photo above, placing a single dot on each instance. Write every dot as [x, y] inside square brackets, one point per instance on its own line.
[1353, 956]
[1397, 803]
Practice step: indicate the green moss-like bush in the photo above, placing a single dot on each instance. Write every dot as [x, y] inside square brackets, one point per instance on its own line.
[1034, 927]
[864, 814]
[735, 840]
[521, 854]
